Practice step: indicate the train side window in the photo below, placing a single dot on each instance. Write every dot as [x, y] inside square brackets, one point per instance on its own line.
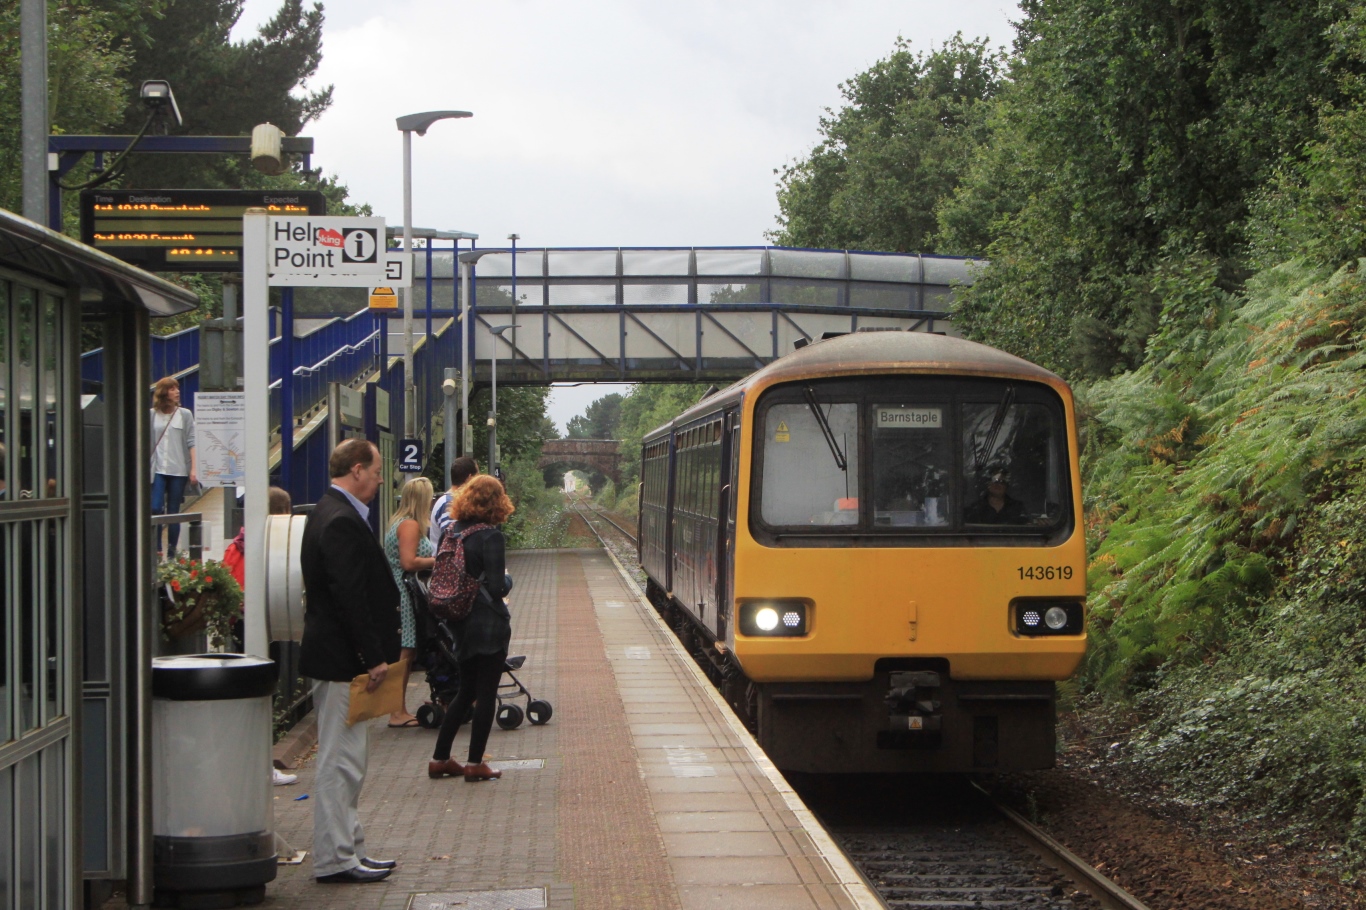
[802, 485]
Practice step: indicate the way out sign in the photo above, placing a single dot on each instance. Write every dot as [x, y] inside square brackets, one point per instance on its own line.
[315, 245]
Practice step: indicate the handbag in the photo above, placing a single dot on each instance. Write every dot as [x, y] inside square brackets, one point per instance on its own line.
[417, 585]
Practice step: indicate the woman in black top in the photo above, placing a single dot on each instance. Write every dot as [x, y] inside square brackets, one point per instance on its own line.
[482, 637]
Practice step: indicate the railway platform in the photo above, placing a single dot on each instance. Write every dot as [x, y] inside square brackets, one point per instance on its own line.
[643, 791]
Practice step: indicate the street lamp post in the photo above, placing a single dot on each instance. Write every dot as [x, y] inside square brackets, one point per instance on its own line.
[497, 332]
[467, 260]
[409, 124]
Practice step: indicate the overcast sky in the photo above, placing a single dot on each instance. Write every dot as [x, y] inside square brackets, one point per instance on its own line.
[599, 123]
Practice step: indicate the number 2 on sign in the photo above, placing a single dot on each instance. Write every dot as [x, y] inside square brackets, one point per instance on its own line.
[1045, 573]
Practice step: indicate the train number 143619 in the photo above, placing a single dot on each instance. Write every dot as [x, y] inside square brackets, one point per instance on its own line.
[1045, 573]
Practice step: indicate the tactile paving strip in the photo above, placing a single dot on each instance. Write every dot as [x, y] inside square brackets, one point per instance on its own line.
[519, 899]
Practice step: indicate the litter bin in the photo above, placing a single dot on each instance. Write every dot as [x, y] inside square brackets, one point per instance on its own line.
[212, 821]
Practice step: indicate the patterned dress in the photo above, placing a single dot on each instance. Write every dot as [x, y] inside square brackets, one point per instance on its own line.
[408, 638]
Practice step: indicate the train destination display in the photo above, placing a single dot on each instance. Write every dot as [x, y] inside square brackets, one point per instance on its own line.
[182, 230]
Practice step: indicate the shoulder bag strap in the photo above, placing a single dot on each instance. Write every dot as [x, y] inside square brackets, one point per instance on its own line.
[157, 444]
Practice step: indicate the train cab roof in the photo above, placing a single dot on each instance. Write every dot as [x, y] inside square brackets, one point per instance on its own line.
[861, 353]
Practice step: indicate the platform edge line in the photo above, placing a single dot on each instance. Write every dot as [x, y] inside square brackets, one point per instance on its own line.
[848, 878]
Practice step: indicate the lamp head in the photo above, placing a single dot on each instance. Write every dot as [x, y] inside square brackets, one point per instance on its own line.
[500, 329]
[419, 123]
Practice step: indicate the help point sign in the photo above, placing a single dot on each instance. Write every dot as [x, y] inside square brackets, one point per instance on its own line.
[321, 245]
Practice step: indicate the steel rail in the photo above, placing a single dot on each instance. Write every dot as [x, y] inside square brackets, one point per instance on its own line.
[1108, 892]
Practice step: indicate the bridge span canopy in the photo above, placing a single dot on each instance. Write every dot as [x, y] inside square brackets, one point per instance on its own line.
[683, 314]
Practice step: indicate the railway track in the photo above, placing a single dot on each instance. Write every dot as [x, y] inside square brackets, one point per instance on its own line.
[931, 842]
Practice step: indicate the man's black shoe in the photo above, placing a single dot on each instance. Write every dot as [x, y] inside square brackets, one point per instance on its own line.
[369, 863]
[357, 876]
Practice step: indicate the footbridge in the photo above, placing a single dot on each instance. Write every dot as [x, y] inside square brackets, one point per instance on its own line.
[685, 314]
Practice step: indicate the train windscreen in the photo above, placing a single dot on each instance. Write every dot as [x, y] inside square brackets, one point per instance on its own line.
[912, 455]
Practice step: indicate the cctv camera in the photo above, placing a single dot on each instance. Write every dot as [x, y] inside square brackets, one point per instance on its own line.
[448, 386]
[157, 95]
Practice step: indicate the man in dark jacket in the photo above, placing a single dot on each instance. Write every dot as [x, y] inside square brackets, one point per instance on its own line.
[351, 626]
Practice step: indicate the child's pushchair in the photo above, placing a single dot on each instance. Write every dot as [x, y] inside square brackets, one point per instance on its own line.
[436, 656]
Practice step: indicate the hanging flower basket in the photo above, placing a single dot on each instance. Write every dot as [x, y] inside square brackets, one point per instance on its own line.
[198, 596]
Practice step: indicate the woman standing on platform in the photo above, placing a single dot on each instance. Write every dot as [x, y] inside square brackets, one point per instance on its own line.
[173, 456]
[409, 550]
[482, 637]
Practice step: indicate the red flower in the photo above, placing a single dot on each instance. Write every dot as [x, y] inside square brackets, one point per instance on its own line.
[175, 585]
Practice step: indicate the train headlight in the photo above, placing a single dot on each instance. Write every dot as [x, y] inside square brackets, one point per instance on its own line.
[1048, 617]
[774, 618]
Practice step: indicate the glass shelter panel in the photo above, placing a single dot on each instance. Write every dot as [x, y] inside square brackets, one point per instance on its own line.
[582, 294]
[49, 430]
[730, 262]
[748, 292]
[655, 263]
[803, 484]
[594, 263]
[23, 387]
[648, 294]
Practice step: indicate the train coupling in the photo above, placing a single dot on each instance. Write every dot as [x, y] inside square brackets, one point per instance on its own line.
[913, 700]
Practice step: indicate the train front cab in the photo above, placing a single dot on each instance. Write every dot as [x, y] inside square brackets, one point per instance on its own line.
[912, 632]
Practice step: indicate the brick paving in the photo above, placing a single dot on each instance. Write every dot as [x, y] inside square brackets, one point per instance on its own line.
[652, 795]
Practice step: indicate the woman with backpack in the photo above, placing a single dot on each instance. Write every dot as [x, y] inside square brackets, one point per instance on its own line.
[483, 635]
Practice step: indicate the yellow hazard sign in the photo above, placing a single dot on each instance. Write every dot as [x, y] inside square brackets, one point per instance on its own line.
[781, 434]
[383, 299]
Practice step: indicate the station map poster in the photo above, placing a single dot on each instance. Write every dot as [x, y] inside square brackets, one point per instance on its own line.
[220, 432]
[182, 230]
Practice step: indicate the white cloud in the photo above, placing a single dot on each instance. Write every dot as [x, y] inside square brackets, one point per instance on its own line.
[599, 123]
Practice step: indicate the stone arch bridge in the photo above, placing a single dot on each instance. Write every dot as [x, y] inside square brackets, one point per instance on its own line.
[600, 455]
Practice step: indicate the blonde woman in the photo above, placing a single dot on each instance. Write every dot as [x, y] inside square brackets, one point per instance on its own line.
[409, 550]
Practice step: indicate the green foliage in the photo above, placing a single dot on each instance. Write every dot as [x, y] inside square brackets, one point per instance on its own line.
[208, 586]
[899, 145]
[598, 421]
[1129, 132]
[646, 408]
[87, 67]
[1275, 729]
[1201, 467]
[223, 88]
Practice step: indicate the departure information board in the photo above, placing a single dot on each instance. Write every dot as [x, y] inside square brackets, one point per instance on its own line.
[182, 230]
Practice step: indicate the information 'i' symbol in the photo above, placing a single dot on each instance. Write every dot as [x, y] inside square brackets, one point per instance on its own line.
[360, 246]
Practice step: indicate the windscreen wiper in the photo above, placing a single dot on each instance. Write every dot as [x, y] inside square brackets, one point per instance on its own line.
[811, 402]
[997, 420]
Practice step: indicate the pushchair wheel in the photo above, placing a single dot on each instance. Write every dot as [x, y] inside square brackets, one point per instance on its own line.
[430, 716]
[538, 711]
[509, 716]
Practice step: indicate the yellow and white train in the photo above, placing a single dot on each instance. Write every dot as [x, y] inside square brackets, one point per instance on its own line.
[874, 545]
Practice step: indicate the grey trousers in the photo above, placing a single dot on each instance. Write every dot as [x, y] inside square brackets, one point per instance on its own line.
[338, 839]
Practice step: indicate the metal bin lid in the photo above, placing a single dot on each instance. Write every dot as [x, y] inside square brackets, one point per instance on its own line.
[213, 677]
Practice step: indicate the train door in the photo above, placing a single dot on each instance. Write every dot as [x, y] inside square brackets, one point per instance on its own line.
[725, 544]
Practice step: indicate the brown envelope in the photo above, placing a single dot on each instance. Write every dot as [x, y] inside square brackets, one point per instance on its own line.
[387, 699]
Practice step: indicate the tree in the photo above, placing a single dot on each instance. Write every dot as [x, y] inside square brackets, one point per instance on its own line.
[599, 420]
[87, 63]
[899, 145]
[1131, 135]
[223, 88]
